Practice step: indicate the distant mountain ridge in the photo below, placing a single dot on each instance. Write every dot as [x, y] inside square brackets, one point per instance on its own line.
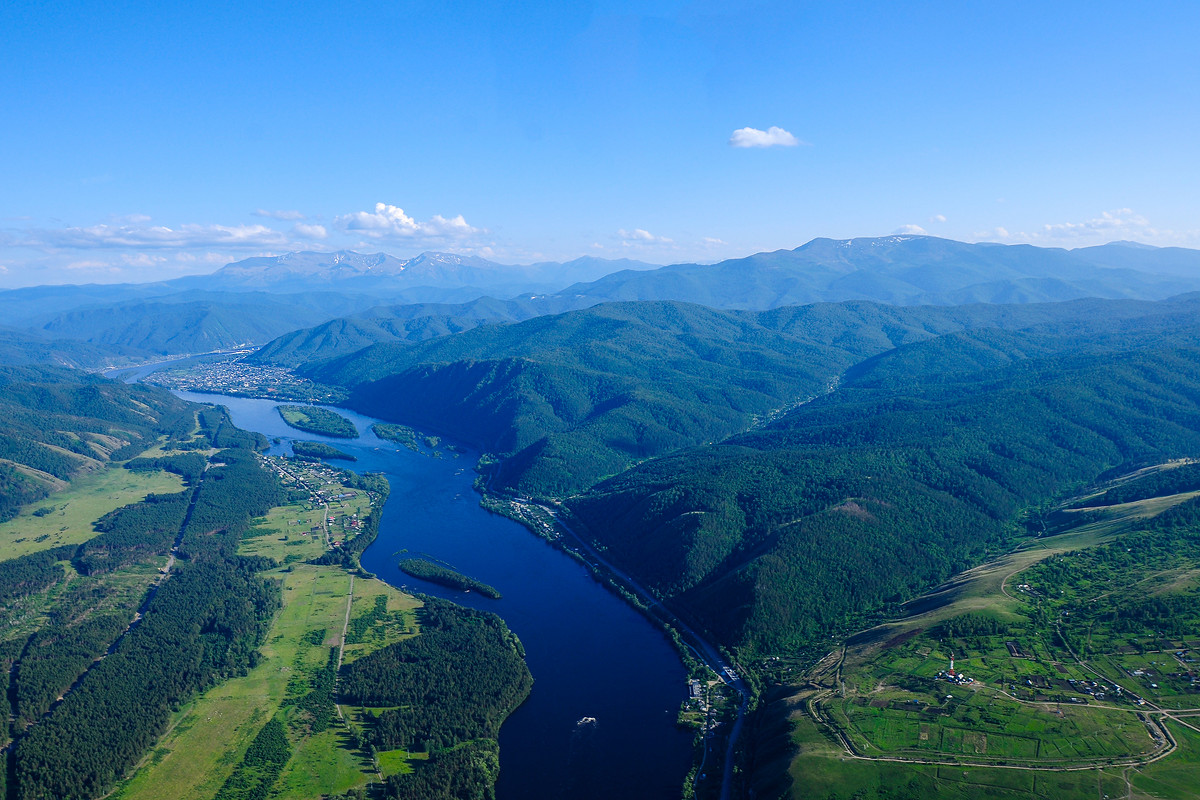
[348, 270]
[369, 298]
[897, 270]
[911, 270]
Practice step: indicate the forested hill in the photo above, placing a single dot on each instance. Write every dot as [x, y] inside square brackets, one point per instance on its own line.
[24, 347]
[946, 424]
[569, 399]
[574, 397]
[911, 471]
[412, 322]
[55, 422]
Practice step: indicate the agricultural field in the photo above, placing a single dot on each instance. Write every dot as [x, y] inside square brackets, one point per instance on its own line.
[1074, 675]
[204, 753]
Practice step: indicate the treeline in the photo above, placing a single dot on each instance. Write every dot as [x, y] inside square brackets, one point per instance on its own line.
[188, 466]
[56, 655]
[318, 703]
[235, 490]
[32, 573]
[133, 532]
[465, 772]
[202, 625]
[221, 433]
[968, 626]
[454, 683]
[266, 757]
[1185, 478]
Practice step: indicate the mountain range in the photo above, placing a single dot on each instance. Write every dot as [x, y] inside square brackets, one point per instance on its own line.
[378, 297]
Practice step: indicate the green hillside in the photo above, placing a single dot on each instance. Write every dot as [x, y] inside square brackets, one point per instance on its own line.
[857, 501]
[944, 425]
[570, 399]
[406, 323]
[56, 423]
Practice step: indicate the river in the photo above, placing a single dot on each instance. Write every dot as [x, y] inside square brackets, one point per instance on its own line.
[590, 653]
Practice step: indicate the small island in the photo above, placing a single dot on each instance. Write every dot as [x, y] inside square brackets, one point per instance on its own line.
[444, 576]
[400, 434]
[318, 420]
[318, 450]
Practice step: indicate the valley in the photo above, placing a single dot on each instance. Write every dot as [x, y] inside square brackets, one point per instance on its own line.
[720, 493]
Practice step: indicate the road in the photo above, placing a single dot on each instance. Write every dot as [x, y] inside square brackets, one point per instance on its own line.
[705, 650]
[342, 647]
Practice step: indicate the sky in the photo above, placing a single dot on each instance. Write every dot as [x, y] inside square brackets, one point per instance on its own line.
[144, 141]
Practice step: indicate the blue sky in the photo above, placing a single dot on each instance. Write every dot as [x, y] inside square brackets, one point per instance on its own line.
[143, 141]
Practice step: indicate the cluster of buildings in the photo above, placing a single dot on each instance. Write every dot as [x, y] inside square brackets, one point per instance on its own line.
[240, 379]
[954, 677]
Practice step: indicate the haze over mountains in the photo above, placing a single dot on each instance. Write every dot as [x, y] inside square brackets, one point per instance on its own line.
[781, 449]
[357, 299]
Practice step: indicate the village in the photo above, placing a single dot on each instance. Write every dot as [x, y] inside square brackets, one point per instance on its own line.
[321, 488]
[238, 378]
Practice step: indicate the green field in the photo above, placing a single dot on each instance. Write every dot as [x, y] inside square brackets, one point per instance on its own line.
[89, 497]
[209, 737]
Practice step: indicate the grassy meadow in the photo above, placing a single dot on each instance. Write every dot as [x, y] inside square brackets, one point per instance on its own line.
[73, 510]
[209, 737]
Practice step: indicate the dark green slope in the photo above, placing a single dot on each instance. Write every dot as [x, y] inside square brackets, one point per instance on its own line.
[572, 398]
[569, 399]
[889, 485]
[405, 323]
[192, 327]
[55, 422]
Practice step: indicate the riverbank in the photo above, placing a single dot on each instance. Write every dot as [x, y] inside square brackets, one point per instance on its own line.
[716, 743]
[574, 630]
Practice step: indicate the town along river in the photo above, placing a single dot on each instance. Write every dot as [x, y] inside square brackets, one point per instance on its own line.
[590, 653]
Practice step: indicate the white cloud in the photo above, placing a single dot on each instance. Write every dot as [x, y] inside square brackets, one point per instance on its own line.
[310, 231]
[640, 236]
[910, 230]
[156, 236]
[771, 137]
[714, 242]
[203, 258]
[1121, 223]
[391, 221]
[142, 260]
[938, 218]
[283, 215]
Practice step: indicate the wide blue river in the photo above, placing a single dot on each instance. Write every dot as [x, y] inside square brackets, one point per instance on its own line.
[590, 653]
